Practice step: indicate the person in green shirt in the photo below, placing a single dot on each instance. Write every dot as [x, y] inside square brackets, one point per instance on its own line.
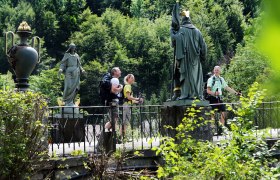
[215, 86]
[129, 100]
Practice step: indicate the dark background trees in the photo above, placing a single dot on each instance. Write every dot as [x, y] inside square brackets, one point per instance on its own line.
[131, 34]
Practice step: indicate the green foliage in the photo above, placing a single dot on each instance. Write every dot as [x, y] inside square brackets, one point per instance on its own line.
[48, 84]
[268, 42]
[48, 28]
[137, 46]
[56, 21]
[131, 34]
[7, 82]
[23, 133]
[221, 34]
[10, 18]
[90, 86]
[98, 7]
[249, 65]
[153, 100]
[251, 7]
[244, 155]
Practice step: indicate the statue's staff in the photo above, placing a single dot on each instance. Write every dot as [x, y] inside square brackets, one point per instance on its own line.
[175, 26]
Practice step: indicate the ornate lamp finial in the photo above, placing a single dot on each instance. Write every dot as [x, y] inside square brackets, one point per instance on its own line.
[24, 26]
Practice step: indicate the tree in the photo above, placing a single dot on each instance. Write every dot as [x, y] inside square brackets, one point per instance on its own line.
[249, 64]
[246, 67]
[251, 8]
[99, 6]
[151, 9]
[48, 83]
[10, 18]
[137, 46]
[90, 85]
[132, 34]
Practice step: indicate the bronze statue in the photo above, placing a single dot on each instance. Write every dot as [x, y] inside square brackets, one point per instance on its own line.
[72, 68]
[189, 50]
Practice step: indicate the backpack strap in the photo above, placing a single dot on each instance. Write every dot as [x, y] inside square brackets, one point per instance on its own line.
[214, 81]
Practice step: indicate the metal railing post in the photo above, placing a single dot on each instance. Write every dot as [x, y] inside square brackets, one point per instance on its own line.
[114, 115]
[141, 131]
[132, 126]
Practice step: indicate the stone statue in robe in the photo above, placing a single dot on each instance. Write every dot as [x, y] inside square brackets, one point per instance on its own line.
[71, 67]
[190, 50]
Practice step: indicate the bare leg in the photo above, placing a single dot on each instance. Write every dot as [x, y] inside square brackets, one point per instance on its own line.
[212, 117]
[212, 120]
[122, 130]
[214, 125]
[223, 117]
[108, 125]
[126, 119]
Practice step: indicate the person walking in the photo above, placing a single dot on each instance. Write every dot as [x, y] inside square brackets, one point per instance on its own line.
[215, 86]
[129, 100]
[110, 89]
[116, 89]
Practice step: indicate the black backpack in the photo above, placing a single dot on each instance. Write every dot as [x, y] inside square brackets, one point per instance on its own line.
[105, 88]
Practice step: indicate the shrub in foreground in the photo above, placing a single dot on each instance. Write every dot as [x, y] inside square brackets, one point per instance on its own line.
[22, 133]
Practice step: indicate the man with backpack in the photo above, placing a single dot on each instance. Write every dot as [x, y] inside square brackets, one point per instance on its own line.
[110, 89]
[215, 86]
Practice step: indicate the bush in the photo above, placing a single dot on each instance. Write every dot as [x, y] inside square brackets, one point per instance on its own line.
[22, 133]
[6, 82]
[244, 155]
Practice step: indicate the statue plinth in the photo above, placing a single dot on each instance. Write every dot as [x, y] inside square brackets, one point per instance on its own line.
[174, 111]
[69, 110]
[70, 125]
[186, 102]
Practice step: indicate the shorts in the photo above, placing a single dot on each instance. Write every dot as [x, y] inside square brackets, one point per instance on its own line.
[113, 98]
[220, 107]
[114, 110]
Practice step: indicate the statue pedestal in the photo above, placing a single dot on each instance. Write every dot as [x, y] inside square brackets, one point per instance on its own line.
[69, 127]
[186, 102]
[69, 110]
[174, 111]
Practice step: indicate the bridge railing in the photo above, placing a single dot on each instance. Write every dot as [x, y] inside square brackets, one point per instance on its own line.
[78, 129]
[266, 116]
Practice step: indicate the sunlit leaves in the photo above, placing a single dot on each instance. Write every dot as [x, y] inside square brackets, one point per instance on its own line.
[22, 133]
